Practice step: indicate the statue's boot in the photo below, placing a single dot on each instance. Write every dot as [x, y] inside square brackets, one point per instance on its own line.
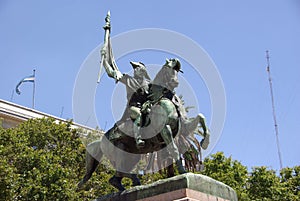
[180, 167]
[137, 135]
[116, 182]
[139, 142]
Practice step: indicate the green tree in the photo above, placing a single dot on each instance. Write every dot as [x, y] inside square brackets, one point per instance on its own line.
[228, 171]
[263, 184]
[44, 160]
[290, 179]
[259, 184]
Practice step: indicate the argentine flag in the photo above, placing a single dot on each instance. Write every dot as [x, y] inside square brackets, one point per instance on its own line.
[30, 78]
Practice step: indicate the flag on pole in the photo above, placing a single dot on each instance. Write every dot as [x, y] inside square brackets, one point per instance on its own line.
[30, 78]
[109, 56]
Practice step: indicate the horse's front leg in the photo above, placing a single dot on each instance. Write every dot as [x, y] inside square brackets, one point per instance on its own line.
[205, 141]
[167, 136]
[116, 181]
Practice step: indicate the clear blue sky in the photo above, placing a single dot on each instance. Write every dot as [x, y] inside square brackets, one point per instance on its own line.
[55, 37]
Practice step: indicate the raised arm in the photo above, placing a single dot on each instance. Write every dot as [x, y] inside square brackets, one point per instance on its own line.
[112, 72]
[107, 59]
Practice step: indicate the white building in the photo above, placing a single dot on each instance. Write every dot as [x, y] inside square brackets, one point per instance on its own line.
[12, 114]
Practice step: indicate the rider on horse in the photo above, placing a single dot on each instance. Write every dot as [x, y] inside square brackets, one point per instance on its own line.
[152, 108]
[137, 88]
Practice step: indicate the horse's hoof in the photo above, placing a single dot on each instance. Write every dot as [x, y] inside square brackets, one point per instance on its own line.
[182, 172]
[205, 142]
[136, 182]
[180, 167]
[116, 182]
[79, 185]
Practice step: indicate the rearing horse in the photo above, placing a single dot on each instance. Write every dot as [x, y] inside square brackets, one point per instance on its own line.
[163, 125]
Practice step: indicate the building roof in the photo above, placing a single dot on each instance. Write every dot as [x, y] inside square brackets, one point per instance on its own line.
[12, 114]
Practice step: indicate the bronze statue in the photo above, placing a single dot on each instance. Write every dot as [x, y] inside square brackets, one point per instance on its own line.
[154, 119]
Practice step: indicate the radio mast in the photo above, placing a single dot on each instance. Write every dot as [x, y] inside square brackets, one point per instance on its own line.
[273, 108]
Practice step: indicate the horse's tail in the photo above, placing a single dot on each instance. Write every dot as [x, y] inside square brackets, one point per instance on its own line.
[93, 156]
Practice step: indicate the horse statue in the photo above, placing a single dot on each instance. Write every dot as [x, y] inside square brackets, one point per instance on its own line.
[165, 129]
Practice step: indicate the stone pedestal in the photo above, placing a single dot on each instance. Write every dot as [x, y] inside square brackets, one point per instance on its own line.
[186, 187]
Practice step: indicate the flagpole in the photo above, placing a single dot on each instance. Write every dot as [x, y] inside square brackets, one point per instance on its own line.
[105, 43]
[33, 90]
[12, 95]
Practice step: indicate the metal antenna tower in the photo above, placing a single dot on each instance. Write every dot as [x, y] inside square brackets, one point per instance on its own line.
[273, 108]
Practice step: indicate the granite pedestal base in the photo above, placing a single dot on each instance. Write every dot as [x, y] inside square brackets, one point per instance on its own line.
[185, 187]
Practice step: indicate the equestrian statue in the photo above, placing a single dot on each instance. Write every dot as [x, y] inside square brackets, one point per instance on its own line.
[154, 120]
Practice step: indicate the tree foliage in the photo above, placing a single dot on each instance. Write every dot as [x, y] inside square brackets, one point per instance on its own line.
[259, 184]
[44, 160]
[290, 179]
[228, 171]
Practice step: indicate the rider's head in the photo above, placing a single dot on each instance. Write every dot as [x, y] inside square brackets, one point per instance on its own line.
[140, 71]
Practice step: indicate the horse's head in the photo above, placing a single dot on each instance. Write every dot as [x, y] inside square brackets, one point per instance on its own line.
[167, 77]
[174, 64]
